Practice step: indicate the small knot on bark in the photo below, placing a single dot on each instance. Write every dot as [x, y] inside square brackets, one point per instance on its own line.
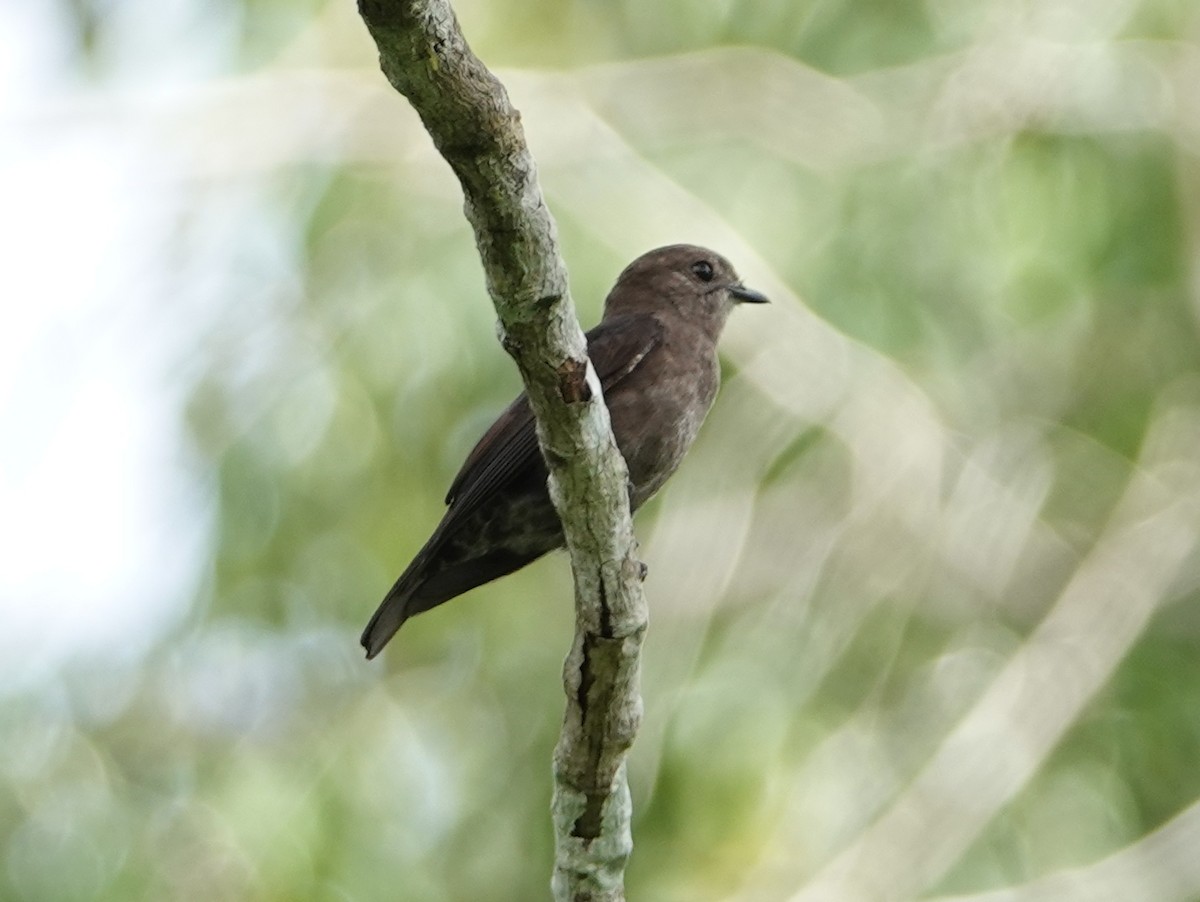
[572, 381]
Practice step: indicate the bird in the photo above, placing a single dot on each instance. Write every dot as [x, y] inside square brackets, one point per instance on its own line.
[655, 354]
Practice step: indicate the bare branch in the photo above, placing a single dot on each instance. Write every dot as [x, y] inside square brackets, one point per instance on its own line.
[468, 114]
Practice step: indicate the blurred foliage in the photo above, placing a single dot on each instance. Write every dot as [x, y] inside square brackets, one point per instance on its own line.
[1028, 285]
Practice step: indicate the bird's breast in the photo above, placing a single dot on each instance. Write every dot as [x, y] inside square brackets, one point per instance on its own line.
[657, 414]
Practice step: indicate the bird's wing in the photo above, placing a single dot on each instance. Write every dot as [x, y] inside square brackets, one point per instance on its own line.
[509, 448]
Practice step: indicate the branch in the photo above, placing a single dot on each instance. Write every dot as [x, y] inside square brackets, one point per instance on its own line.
[466, 111]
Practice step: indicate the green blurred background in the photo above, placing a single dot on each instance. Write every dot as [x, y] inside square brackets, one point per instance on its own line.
[924, 620]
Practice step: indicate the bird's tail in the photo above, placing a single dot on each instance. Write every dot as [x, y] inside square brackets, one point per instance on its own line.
[418, 590]
[388, 618]
[415, 591]
[397, 606]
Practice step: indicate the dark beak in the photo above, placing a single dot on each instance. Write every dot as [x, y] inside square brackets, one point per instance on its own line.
[747, 295]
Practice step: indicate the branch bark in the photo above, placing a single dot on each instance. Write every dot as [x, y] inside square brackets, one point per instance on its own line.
[467, 112]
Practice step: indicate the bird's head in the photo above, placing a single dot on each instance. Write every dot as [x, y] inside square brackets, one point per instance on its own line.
[699, 284]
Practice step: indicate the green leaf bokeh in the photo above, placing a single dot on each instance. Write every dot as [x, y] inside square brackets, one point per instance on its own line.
[973, 404]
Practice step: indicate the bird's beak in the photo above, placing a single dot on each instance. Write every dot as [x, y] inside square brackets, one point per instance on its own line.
[747, 295]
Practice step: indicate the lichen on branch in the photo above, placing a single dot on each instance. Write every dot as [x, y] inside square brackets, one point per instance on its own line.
[467, 113]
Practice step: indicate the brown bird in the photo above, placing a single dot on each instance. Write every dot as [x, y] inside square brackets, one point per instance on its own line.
[655, 353]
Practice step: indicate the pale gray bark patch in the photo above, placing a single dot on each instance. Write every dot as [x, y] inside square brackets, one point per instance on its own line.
[467, 112]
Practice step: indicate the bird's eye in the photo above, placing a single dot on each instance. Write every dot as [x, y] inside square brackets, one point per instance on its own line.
[703, 270]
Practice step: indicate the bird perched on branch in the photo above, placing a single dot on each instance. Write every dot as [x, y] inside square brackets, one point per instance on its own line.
[655, 353]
